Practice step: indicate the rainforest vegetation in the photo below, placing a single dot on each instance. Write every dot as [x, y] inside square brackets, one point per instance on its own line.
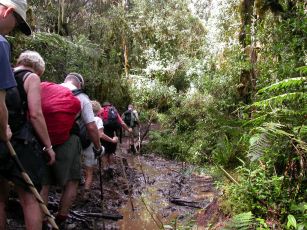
[225, 80]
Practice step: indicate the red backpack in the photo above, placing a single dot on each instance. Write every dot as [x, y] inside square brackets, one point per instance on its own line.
[60, 108]
[109, 116]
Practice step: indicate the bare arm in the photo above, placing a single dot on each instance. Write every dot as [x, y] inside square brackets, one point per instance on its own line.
[123, 124]
[5, 132]
[33, 90]
[93, 133]
[105, 137]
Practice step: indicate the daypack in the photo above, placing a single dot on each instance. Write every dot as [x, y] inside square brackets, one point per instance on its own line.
[109, 116]
[130, 118]
[60, 108]
[16, 102]
[79, 127]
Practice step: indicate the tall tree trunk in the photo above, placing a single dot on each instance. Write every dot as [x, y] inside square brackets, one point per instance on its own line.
[246, 88]
[125, 4]
[60, 15]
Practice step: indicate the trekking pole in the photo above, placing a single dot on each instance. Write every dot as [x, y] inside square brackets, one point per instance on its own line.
[138, 155]
[30, 184]
[100, 180]
[139, 144]
[101, 189]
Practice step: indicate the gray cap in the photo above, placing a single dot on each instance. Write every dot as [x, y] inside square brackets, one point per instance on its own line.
[20, 7]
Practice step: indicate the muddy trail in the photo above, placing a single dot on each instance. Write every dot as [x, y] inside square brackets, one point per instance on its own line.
[145, 192]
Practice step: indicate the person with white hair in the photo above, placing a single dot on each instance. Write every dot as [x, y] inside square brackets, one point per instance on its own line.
[30, 138]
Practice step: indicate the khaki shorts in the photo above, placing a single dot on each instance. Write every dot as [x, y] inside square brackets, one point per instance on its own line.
[67, 164]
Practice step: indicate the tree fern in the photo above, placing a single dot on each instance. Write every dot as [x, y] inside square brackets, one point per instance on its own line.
[298, 82]
[279, 100]
[242, 221]
[82, 44]
[258, 143]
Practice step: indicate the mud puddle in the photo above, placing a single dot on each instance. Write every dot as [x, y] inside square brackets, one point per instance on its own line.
[163, 195]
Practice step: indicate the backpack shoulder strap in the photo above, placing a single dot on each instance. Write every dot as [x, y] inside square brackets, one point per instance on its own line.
[76, 92]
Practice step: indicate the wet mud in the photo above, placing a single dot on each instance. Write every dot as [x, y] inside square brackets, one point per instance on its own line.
[144, 192]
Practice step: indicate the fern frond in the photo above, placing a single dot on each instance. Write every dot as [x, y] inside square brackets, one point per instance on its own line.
[275, 128]
[242, 221]
[302, 69]
[280, 99]
[285, 114]
[85, 46]
[284, 84]
[258, 144]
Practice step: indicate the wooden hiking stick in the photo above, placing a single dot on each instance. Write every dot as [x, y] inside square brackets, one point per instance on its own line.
[127, 183]
[30, 184]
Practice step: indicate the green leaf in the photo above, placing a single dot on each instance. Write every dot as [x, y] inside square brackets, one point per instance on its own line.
[291, 222]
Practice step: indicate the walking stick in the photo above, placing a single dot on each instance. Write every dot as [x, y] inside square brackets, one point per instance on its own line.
[139, 139]
[101, 189]
[138, 155]
[28, 181]
[100, 180]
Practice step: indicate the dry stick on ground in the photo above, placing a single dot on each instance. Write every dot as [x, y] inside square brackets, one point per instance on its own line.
[152, 215]
[225, 172]
[27, 179]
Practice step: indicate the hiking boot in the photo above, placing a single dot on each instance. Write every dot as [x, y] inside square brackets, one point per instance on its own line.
[108, 173]
[46, 226]
[86, 194]
[81, 180]
[61, 225]
[132, 148]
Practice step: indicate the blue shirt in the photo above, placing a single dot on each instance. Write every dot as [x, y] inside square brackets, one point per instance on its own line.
[7, 79]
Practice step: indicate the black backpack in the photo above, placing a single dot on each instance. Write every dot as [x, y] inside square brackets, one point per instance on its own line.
[79, 127]
[129, 118]
[17, 103]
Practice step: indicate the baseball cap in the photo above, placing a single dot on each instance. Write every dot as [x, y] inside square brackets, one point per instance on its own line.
[20, 7]
[78, 77]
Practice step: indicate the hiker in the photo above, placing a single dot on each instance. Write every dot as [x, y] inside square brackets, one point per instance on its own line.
[12, 14]
[111, 122]
[89, 157]
[30, 137]
[66, 171]
[131, 119]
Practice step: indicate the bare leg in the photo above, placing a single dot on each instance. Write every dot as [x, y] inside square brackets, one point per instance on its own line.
[31, 210]
[3, 198]
[68, 196]
[88, 177]
[44, 193]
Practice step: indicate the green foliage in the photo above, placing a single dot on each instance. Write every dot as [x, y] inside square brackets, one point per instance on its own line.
[242, 221]
[278, 158]
[299, 218]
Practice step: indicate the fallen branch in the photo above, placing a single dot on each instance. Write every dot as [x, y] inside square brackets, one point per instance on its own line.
[181, 202]
[110, 216]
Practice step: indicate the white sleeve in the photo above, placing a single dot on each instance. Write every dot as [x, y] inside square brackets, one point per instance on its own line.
[99, 123]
